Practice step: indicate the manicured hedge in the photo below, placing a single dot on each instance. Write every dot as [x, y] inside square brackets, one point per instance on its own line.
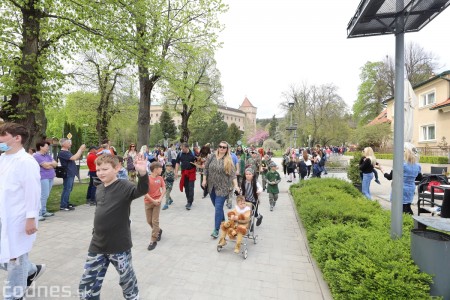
[423, 159]
[349, 236]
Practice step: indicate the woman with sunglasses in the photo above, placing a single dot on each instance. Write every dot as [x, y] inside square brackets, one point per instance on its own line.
[219, 178]
[129, 156]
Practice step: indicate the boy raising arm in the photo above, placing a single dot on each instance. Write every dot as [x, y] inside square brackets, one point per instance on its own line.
[111, 235]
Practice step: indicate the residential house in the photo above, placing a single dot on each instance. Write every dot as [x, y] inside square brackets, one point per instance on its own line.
[431, 111]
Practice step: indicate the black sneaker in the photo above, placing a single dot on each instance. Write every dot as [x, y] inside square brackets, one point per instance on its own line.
[151, 246]
[159, 235]
[67, 208]
[71, 205]
[188, 206]
[40, 270]
[259, 220]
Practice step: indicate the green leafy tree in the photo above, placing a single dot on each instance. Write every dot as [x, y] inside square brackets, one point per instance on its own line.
[194, 86]
[234, 134]
[216, 132]
[373, 135]
[167, 124]
[372, 91]
[273, 126]
[157, 136]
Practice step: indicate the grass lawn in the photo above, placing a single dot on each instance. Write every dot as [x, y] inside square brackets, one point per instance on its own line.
[77, 197]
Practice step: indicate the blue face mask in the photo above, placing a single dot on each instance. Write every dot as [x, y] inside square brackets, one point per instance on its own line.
[5, 147]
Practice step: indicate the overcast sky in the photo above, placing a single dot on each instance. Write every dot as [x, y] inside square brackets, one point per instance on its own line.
[270, 44]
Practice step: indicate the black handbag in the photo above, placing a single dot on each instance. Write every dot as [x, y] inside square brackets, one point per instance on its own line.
[61, 172]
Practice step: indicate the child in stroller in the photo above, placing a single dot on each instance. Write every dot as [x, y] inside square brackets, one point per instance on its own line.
[237, 224]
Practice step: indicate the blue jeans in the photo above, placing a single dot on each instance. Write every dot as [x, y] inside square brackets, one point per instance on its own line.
[90, 196]
[46, 187]
[67, 189]
[18, 272]
[367, 178]
[218, 202]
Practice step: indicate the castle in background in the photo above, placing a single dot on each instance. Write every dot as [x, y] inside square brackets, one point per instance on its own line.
[244, 117]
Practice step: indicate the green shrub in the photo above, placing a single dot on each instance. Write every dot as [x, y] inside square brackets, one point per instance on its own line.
[349, 237]
[353, 172]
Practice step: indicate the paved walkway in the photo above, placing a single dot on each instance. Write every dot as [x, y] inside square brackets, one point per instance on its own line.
[185, 264]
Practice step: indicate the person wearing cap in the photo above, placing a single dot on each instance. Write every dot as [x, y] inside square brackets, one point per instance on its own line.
[266, 161]
[254, 162]
[411, 172]
[273, 178]
[169, 178]
[90, 161]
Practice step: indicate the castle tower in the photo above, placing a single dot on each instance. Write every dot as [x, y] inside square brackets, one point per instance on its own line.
[250, 114]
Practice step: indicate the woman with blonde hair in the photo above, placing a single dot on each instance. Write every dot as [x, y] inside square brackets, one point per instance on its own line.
[219, 178]
[366, 166]
[411, 173]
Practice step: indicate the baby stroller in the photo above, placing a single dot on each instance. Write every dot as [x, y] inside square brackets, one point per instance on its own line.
[250, 234]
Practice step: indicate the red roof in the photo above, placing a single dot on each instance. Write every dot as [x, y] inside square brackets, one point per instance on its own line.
[246, 103]
[381, 118]
[441, 105]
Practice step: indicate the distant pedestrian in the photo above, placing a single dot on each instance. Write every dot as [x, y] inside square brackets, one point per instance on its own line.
[47, 170]
[20, 193]
[186, 160]
[129, 157]
[169, 178]
[111, 236]
[273, 178]
[90, 161]
[366, 166]
[67, 160]
[152, 200]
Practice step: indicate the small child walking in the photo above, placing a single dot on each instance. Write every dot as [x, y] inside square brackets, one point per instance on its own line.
[123, 173]
[273, 178]
[111, 236]
[152, 200]
[169, 178]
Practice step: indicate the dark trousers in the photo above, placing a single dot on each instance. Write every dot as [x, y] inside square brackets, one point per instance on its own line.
[90, 196]
[189, 190]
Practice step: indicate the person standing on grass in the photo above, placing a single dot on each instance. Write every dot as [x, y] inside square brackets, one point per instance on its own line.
[47, 170]
[67, 160]
[20, 192]
[90, 161]
[111, 235]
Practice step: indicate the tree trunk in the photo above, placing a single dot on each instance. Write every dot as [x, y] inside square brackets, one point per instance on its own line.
[29, 111]
[185, 132]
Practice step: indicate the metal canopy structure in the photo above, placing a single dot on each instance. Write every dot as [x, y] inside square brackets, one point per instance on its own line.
[378, 17]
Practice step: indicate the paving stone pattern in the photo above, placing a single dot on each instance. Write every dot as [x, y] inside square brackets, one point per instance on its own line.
[185, 264]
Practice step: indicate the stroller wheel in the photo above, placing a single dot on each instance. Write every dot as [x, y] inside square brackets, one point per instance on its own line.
[245, 253]
[219, 248]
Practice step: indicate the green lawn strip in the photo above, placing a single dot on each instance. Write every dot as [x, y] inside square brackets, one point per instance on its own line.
[77, 197]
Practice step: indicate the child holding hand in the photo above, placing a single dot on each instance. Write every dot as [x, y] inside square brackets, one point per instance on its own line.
[152, 200]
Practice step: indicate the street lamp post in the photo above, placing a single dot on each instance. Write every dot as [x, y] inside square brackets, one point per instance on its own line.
[292, 127]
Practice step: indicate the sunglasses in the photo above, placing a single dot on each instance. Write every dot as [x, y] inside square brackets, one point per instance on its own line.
[223, 147]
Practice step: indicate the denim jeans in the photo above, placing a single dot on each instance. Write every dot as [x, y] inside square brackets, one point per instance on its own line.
[67, 189]
[367, 178]
[46, 187]
[18, 272]
[90, 196]
[218, 202]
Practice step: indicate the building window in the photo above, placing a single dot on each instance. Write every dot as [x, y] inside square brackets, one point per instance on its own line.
[428, 132]
[427, 99]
